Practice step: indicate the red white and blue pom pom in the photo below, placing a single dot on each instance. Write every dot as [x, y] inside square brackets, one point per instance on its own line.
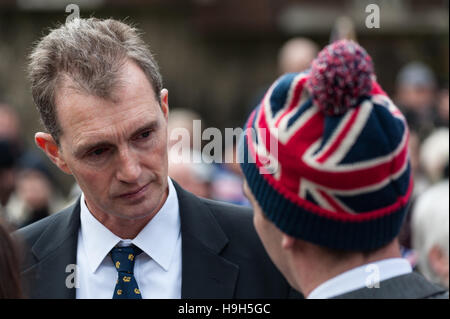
[340, 76]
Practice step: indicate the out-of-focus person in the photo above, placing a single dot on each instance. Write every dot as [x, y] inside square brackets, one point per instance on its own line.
[10, 125]
[36, 194]
[29, 191]
[428, 163]
[7, 175]
[228, 179]
[191, 173]
[416, 96]
[442, 111]
[10, 285]
[430, 233]
[31, 200]
[181, 122]
[421, 181]
[296, 55]
[434, 154]
[187, 164]
[10, 151]
[343, 28]
[10, 130]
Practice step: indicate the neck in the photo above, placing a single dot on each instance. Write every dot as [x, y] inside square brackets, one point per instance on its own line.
[322, 266]
[126, 228]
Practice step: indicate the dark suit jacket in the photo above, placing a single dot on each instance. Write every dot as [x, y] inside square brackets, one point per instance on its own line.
[222, 256]
[409, 286]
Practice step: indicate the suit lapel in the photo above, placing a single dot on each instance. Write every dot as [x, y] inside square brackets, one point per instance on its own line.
[205, 273]
[55, 252]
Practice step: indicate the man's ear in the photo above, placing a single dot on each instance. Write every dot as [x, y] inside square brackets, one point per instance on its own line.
[287, 242]
[165, 103]
[46, 142]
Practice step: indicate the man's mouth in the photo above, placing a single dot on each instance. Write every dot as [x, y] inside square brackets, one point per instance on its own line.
[134, 193]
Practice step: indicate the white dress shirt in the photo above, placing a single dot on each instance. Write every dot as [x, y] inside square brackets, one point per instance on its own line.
[361, 277]
[157, 269]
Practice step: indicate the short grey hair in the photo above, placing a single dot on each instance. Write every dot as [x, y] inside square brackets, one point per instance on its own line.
[89, 53]
[430, 226]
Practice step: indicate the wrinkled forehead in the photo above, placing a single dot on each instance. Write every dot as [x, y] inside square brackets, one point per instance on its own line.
[131, 98]
[126, 78]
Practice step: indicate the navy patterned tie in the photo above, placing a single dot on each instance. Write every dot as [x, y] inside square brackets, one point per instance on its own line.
[126, 285]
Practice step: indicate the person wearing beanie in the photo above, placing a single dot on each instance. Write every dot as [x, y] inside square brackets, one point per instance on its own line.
[326, 166]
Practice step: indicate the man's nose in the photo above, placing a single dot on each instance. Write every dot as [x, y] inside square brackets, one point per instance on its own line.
[129, 167]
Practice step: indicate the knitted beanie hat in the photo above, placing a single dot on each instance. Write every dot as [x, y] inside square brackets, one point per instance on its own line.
[325, 154]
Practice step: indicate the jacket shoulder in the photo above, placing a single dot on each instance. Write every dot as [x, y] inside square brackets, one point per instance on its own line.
[236, 221]
[246, 249]
[227, 210]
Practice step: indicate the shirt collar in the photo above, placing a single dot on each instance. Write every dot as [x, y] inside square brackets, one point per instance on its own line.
[359, 277]
[157, 239]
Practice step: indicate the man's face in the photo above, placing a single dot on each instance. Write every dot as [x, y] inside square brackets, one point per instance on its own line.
[117, 151]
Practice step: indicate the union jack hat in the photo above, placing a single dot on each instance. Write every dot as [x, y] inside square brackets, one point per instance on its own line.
[325, 154]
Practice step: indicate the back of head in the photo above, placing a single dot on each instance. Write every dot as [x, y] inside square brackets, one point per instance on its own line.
[85, 55]
[430, 227]
[326, 154]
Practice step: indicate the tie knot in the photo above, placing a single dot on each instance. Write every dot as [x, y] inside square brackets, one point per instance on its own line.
[123, 258]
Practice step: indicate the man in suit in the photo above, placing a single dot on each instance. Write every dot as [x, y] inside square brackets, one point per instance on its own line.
[327, 171]
[134, 233]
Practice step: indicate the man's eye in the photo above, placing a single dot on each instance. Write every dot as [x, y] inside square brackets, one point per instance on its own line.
[98, 152]
[143, 135]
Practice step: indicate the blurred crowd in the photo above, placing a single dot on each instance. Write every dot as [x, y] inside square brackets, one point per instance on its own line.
[29, 191]
[425, 233]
